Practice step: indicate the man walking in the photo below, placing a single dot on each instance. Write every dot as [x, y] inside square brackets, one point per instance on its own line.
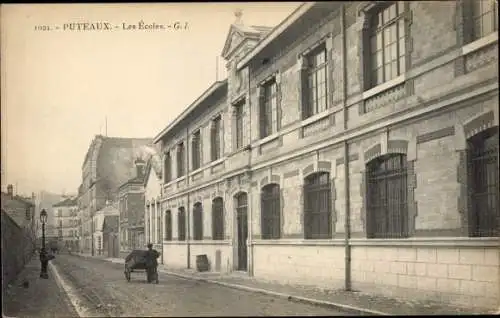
[152, 264]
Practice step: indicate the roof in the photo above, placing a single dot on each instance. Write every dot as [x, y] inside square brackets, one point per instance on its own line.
[66, 202]
[245, 32]
[115, 158]
[6, 198]
[275, 32]
[154, 163]
[207, 93]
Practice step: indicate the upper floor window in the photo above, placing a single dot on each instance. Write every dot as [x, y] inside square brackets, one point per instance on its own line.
[484, 18]
[167, 167]
[215, 138]
[268, 108]
[196, 150]
[315, 97]
[387, 43]
[180, 160]
[239, 125]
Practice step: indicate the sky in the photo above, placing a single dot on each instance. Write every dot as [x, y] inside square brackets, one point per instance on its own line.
[60, 87]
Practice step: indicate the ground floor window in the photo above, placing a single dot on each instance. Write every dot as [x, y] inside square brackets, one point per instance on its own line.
[271, 212]
[317, 206]
[218, 219]
[181, 224]
[482, 168]
[386, 190]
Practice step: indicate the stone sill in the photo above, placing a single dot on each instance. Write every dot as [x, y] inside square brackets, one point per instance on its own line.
[430, 241]
[202, 242]
[412, 242]
[480, 43]
[301, 242]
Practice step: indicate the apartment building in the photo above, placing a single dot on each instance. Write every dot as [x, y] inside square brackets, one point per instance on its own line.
[66, 222]
[355, 146]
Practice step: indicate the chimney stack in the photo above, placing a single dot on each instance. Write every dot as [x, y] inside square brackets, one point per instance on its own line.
[139, 165]
[10, 190]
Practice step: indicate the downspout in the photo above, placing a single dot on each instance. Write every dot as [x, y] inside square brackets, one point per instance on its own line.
[188, 204]
[346, 158]
[250, 214]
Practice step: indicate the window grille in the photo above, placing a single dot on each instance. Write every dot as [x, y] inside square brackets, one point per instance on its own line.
[168, 225]
[218, 219]
[317, 206]
[181, 224]
[198, 222]
[271, 212]
[482, 158]
[386, 190]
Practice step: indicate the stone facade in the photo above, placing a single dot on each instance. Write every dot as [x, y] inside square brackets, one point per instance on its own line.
[425, 115]
[67, 222]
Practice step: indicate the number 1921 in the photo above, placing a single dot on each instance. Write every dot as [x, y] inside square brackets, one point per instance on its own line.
[42, 28]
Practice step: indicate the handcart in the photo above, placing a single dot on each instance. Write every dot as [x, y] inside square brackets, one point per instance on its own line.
[136, 262]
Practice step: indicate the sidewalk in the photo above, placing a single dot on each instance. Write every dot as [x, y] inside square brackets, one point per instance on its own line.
[38, 298]
[356, 302]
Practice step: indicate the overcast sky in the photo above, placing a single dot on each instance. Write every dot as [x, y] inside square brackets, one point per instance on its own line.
[58, 86]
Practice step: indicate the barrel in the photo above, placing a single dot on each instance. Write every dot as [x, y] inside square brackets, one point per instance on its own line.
[202, 263]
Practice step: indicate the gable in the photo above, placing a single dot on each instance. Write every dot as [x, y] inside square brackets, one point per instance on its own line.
[233, 39]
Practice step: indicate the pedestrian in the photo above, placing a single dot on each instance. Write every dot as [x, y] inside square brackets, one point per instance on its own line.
[152, 263]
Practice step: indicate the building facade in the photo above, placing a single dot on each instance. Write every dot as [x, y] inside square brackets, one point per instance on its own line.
[355, 146]
[108, 163]
[66, 222]
[131, 207]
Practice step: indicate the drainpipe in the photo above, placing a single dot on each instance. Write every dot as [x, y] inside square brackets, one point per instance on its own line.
[250, 214]
[188, 209]
[346, 159]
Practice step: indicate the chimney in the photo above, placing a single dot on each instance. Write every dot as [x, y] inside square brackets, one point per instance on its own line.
[10, 190]
[238, 13]
[139, 166]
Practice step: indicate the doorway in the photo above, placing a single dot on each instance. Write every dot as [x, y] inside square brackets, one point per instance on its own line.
[242, 229]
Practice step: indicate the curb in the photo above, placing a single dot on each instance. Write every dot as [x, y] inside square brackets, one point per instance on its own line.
[289, 297]
[316, 302]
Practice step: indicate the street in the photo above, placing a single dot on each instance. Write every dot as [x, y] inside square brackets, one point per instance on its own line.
[103, 289]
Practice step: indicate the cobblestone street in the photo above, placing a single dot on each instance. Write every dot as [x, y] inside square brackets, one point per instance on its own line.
[104, 291]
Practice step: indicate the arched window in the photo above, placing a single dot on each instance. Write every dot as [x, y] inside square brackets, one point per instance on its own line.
[197, 222]
[482, 170]
[168, 225]
[270, 221]
[317, 206]
[218, 219]
[386, 189]
[181, 224]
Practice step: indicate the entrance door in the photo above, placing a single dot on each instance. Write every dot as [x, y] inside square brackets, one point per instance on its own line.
[242, 223]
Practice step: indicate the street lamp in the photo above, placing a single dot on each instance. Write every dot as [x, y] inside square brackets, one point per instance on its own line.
[43, 252]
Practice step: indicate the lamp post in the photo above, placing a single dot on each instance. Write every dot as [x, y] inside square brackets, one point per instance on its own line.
[43, 252]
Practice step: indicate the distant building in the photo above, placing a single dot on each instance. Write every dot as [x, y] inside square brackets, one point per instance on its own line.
[154, 229]
[99, 236]
[46, 200]
[131, 206]
[20, 209]
[108, 163]
[66, 222]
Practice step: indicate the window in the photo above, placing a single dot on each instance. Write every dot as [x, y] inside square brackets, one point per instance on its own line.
[158, 223]
[215, 138]
[267, 105]
[196, 150]
[180, 160]
[317, 206]
[181, 224]
[386, 189]
[270, 212]
[168, 225]
[197, 222]
[239, 125]
[484, 17]
[167, 167]
[387, 44]
[482, 157]
[315, 82]
[218, 219]
[28, 213]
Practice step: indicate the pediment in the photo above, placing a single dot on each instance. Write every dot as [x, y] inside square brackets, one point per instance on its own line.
[233, 39]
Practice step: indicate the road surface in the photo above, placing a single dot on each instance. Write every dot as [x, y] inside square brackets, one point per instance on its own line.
[101, 287]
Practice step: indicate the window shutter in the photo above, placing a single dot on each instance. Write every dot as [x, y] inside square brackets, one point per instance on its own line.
[304, 90]
[279, 112]
[262, 112]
